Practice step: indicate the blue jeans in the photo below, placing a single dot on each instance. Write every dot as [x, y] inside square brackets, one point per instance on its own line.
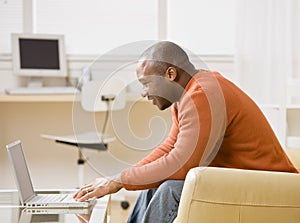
[159, 205]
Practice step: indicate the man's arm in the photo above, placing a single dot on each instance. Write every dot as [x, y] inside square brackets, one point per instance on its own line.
[194, 126]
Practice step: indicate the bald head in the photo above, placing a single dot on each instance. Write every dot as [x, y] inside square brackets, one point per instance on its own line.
[165, 54]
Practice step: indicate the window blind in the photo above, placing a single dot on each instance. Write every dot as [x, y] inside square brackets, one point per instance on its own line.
[10, 22]
[97, 26]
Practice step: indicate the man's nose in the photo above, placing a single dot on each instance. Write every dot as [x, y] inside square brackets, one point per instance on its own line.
[144, 94]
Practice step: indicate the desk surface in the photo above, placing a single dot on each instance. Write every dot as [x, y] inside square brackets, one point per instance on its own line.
[133, 97]
[37, 98]
[12, 212]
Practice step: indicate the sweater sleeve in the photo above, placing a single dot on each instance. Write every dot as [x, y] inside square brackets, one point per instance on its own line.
[194, 129]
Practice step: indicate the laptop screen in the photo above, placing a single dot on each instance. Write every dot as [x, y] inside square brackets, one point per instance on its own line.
[18, 162]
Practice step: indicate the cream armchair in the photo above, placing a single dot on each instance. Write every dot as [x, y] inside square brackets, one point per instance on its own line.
[222, 195]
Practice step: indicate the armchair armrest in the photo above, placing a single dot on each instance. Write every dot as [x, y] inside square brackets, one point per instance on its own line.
[239, 196]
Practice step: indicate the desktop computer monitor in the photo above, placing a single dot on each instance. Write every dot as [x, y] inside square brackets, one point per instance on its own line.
[37, 55]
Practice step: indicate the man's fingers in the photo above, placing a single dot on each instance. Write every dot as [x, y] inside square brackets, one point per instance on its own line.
[98, 192]
[99, 188]
[87, 196]
[83, 190]
[79, 194]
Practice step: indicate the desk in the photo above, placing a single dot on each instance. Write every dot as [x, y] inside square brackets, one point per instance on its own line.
[131, 97]
[12, 212]
[37, 98]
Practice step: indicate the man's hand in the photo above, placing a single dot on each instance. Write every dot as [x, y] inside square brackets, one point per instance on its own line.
[99, 188]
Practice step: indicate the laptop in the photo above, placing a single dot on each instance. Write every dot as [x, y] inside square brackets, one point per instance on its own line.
[28, 197]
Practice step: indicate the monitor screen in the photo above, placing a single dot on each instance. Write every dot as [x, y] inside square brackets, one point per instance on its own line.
[38, 55]
[33, 56]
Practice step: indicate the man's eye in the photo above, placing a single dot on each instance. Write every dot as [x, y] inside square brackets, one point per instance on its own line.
[144, 89]
[145, 85]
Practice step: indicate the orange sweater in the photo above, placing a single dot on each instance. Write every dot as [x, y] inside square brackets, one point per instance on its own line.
[214, 124]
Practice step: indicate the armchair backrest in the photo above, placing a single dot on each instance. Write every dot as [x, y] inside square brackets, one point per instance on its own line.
[294, 155]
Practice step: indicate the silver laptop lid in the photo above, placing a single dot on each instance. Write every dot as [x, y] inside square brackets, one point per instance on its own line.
[19, 165]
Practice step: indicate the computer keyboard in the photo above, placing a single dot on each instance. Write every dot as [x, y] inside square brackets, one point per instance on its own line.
[42, 90]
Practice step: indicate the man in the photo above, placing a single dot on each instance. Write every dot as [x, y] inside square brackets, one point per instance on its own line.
[214, 124]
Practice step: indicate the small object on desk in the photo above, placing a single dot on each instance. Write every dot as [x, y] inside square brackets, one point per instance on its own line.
[42, 90]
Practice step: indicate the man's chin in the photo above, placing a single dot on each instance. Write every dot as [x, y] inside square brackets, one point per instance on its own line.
[162, 107]
[158, 106]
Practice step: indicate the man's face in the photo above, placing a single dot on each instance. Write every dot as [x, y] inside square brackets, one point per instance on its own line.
[156, 87]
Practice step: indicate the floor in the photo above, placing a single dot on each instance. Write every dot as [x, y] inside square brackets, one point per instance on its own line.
[118, 214]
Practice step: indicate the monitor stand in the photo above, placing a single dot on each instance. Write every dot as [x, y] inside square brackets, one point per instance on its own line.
[35, 82]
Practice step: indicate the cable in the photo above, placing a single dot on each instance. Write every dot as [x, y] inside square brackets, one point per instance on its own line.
[106, 118]
[107, 98]
[69, 81]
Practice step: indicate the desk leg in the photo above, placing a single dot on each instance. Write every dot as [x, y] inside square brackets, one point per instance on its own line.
[80, 163]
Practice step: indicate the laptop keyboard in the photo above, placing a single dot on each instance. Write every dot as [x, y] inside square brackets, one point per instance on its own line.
[48, 198]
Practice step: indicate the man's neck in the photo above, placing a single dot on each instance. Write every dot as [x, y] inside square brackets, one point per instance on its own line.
[186, 77]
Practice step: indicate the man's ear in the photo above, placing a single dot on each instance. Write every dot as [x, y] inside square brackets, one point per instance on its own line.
[171, 73]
